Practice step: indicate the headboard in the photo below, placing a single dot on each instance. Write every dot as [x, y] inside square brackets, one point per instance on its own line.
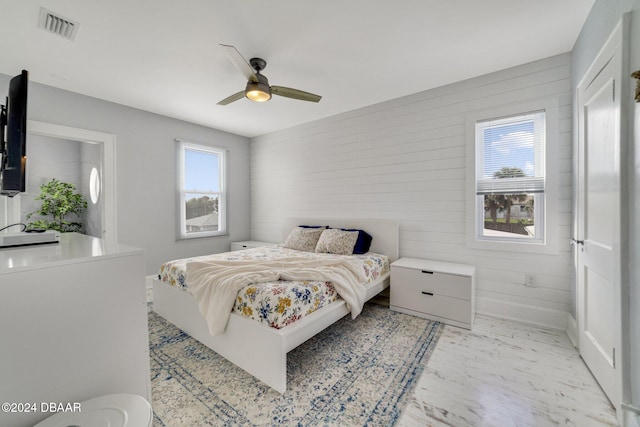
[385, 233]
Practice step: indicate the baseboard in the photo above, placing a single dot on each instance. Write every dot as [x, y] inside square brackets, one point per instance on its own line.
[631, 415]
[572, 330]
[537, 316]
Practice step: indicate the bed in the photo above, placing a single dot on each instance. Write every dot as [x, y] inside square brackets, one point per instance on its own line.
[243, 336]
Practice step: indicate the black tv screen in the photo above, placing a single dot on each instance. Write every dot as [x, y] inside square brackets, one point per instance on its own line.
[13, 137]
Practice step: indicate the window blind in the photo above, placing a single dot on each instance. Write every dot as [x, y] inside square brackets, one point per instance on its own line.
[510, 155]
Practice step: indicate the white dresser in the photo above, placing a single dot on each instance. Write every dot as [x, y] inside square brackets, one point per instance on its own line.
[435, 290]
[74, 324]
[247, 244]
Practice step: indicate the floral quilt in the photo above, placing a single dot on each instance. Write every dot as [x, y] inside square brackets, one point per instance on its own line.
[278, 303]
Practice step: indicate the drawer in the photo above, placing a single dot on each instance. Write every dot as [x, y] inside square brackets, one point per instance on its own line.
[248, 244]
[455, 309]
[442, 284]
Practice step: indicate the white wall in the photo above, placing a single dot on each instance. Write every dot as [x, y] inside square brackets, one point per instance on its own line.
[48, 158]
[633, 325]
[146, 169]
[405, 159]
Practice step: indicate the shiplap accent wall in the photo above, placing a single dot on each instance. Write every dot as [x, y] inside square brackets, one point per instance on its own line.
[405, 159]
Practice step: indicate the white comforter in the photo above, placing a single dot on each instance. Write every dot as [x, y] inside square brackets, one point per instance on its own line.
[215, 284]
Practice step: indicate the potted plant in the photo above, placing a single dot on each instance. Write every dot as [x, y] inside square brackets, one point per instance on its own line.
[59, 199]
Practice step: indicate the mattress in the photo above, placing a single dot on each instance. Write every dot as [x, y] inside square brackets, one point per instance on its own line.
[278, 303]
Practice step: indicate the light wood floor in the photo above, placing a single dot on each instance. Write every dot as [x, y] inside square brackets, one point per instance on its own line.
[506, 374]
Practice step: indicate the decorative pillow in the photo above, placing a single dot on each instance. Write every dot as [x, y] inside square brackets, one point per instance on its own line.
[363, 243]
[303, 239]
[336, 241]
[313, 226]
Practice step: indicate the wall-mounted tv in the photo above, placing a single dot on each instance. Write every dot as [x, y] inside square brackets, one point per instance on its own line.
[13, 137]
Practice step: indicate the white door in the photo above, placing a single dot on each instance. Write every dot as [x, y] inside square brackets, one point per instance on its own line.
[598, 248]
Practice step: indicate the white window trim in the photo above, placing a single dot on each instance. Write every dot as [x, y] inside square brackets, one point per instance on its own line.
[222, 202]
[549, 241]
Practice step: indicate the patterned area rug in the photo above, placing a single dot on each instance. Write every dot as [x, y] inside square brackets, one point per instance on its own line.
[357, 372]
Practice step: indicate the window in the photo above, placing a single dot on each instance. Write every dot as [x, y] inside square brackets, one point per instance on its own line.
[510, 183]
[94, 185]
[201, 187]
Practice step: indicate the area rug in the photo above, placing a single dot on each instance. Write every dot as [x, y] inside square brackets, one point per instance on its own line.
[357, 372]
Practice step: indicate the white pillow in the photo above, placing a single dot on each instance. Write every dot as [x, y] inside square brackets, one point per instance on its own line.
[303, 239]
[335, 241]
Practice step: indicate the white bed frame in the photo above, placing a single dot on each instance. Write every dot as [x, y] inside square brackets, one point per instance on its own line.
[242, 337]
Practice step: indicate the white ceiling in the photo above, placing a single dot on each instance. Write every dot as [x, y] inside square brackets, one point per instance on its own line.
[164, 56]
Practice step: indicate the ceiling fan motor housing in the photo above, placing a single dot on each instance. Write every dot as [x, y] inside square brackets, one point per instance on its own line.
[258, 64]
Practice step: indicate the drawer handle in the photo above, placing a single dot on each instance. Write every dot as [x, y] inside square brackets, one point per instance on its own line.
[427, 272]
[427, 293]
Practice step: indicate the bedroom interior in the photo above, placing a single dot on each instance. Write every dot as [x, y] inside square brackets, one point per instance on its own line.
[399, 154]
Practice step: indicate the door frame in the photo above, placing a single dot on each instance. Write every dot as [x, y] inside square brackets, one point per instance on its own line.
[107, 143]
[616, 45]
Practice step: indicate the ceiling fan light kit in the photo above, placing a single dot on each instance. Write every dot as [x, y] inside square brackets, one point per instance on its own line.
[258, 91]
[258, 88]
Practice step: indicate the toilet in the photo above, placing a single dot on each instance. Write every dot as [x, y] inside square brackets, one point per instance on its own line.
[112, 410]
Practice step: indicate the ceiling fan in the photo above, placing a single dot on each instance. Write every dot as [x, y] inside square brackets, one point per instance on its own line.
[258, 88]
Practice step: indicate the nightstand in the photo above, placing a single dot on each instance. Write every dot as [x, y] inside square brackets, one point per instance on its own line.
[247, 244]
[434, 290]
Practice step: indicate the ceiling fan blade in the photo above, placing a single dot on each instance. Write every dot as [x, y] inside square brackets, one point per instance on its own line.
[295, 94]
[240, 63]
[232, 98]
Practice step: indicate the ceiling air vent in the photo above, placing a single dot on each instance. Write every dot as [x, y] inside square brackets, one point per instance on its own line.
[56, 24]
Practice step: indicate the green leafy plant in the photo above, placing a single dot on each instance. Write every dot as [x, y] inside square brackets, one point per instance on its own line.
[59, 199]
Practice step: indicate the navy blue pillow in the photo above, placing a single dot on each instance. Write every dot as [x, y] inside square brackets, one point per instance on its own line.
[313, 226]
[363, 243]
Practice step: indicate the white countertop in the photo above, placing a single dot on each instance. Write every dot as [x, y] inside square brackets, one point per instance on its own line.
[72, 248]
